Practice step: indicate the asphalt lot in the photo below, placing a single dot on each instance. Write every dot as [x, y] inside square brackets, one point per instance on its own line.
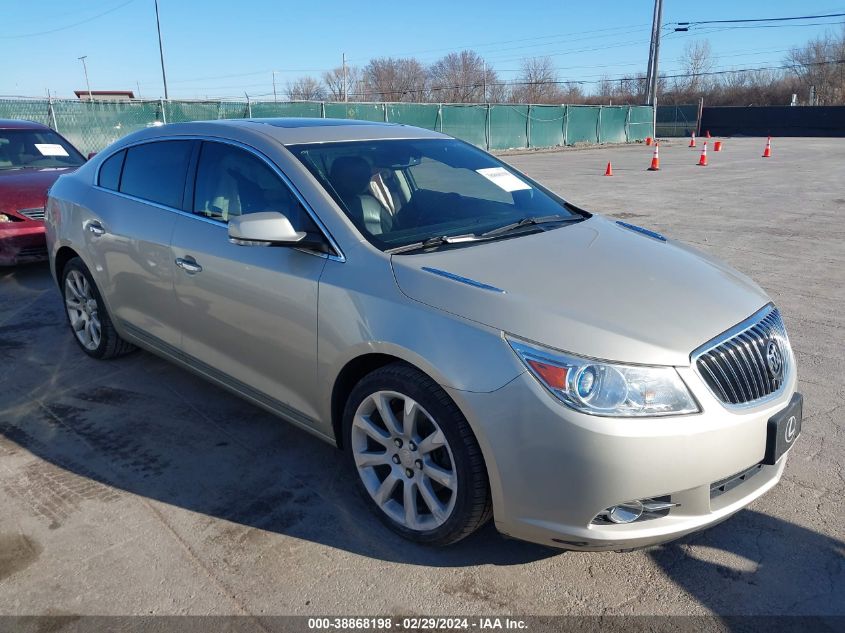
[133, 487]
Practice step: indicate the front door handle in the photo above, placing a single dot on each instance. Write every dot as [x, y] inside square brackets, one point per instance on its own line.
[96, 228]
[189, 265]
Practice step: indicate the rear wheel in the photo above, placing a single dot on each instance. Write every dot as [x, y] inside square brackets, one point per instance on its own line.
[92, 328]
[418, 463]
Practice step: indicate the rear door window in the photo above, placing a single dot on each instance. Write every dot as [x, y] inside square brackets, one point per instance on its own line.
[156, 171]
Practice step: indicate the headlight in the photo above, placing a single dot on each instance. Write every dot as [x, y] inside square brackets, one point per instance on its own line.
[607, 389]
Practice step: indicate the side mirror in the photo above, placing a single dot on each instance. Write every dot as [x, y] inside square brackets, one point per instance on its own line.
[91, 155]
[271, 228]
[267, 228]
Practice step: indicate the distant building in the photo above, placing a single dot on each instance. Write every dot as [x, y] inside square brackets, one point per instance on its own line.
[105, 95]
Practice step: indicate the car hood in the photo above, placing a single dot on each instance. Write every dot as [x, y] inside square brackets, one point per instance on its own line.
[27, 188]
[595, 288]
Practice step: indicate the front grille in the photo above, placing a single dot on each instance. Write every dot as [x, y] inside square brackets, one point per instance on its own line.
[33, 214]
[722, 486]
[749, 362]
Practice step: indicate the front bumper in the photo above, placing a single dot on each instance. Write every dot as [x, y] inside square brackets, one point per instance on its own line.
[22, 242]
[552, 469]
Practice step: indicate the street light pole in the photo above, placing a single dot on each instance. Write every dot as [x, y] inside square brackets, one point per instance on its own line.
[345, 87]
[161, 52]
[85, 70]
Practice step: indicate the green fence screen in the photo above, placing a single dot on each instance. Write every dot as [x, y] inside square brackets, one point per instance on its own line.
[611, 125]
[362, 111]
[508, 126]
[582, 124]
[466, 122]
[547, 125]
[93, 125]
[425, 115]
[640, 123]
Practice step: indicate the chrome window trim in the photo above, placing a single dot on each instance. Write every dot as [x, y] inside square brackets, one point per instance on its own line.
[725, 336]
[339, 256]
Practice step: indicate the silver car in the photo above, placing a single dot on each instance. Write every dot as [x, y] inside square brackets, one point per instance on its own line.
[476, 345]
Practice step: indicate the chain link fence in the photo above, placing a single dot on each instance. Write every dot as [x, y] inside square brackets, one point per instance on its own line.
[92, 125]
[677, 120]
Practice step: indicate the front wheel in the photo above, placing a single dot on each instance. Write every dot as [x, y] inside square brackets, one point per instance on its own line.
[418, 463]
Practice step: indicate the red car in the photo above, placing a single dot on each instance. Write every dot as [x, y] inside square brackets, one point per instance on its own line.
[32, 157]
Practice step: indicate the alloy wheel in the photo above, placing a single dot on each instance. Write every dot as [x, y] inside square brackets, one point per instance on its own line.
[81, 308]
[404, 460]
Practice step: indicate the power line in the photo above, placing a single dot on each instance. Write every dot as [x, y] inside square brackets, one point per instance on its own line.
[800, 17]
[556, 36]
[715, 29]
[68, 26]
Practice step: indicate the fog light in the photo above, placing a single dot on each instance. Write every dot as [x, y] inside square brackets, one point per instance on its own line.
[638, 510]
[625, 512]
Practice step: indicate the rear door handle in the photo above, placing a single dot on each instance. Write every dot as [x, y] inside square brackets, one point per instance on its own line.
[96, 228]
[189, 265]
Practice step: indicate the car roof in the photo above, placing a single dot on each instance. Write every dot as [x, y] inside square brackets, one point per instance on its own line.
[295, 130]
[21, 124]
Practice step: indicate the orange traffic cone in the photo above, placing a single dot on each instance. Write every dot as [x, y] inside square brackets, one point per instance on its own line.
[702, 162]
[648, 141]
[655, 159]
[708, 134]
[609, 170]
[767, 153]
[692, 140]
[717, 146]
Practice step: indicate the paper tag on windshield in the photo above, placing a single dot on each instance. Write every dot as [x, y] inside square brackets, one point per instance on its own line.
[503, 179]
[51, 149]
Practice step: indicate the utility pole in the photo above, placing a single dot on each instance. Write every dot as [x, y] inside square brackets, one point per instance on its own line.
[274, 87]
[654, 53]
[345, 88]
[653, 57]
[161, 53]
[85, 70]
[484, 72]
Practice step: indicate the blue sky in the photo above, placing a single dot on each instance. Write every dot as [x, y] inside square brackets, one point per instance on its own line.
[224, 48]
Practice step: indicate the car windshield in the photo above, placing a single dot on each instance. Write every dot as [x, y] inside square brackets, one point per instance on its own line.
[22, 149]
[403, 192]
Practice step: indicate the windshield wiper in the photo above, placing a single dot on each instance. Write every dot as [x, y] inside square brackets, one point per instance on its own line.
[433, 242]
[546, 219]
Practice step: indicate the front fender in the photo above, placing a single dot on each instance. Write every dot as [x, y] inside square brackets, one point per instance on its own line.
[376, 318]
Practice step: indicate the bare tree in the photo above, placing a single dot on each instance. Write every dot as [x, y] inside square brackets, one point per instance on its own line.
[696, 62]
[758, 87]
[628, 90]
[333, 82]
[819, 66]
[394, 79]
[305, 89]
[538, 82]
[462, 78]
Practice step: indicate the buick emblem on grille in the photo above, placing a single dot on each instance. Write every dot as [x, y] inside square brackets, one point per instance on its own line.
[774, 360]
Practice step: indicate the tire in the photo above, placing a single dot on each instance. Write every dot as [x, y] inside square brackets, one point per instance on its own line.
[436, 464]
[84, 308]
